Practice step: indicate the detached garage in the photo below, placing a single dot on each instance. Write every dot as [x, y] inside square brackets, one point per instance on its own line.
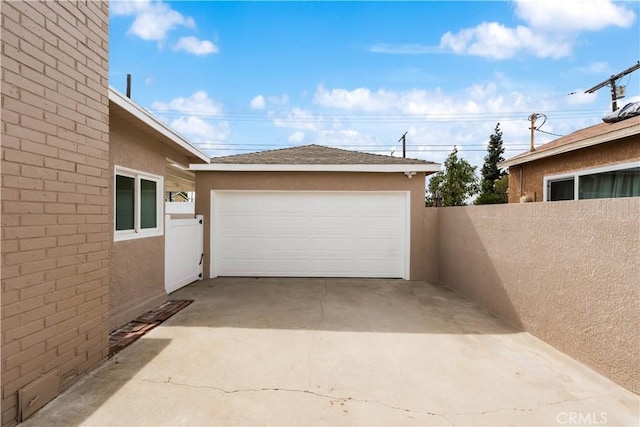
[312, 211]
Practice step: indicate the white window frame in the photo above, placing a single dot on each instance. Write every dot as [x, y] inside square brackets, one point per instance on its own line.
[137, 232]
[577, 174]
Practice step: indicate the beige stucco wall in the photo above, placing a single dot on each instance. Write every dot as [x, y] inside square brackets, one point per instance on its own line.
[137, 266]
[55, 183]
[621, 151]
[567, 272]
[318, 181]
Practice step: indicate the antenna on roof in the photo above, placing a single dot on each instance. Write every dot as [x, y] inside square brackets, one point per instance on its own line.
[611, 81]
[403, 138]
[129, 86]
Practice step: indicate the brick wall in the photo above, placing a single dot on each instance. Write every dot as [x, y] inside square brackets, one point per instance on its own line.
[55, 179]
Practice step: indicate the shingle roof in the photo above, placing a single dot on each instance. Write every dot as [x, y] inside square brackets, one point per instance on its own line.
[315, 155]
[592, 135]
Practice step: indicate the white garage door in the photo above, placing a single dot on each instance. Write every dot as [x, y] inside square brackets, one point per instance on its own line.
[310, 234]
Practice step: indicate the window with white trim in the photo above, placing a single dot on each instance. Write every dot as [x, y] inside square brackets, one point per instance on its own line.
[622, 180]
[138, 204]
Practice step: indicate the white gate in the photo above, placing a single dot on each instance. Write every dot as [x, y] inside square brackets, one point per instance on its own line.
[183, 253]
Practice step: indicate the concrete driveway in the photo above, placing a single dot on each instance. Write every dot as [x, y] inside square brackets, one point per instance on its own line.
[337, 352]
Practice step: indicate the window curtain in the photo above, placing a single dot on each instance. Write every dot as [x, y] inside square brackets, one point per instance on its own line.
[620, 183]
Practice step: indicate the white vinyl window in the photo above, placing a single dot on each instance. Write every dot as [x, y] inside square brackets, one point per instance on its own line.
[621, 180]
[138, 204]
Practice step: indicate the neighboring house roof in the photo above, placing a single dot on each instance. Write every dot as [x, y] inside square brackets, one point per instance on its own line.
[587, 137]
[317, 158]
[122, 107]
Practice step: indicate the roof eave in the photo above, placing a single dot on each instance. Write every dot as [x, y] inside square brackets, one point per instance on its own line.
[576, 145]
[235, 167]
[147, 118]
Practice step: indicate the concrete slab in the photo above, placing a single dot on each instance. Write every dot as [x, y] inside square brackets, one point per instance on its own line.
[337, 352]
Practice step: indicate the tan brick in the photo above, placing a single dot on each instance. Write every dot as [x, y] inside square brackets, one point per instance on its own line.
[36, 290]
[10, 194]
[37, 243]
[25, 356]
[9, 310]
[10, 168]
[23, 232]
[72, 219]
[61, 230]
[62, 337]
[89, 209]
[24, 256]
[37, 196]
[38, 220]
[59, 77]
[40, 126]
[34, 364]
[59, 295]
[71, 198]
[62, 144]
[61, 165]
[69, 370]
[24, 59]
[70, 260]
[11, 207]
[22, 182]
[38, 77]
[71, 156]
[18, 156]
[96, 247]
[14, 334]
[21, 108]
[60, 208]
[71, 240]
[61, 272]
[94, 323]
[17, 283]
[89, 266]
[61, 316]
[38, 100]
[63, 251]
[37, 266]
[59, 361]
[96, 293]
[89, 189]
[36, 172]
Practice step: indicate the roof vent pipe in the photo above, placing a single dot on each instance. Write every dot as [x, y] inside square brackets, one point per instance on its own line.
[129, 86]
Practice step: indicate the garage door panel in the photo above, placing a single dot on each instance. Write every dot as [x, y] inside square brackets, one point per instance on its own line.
[332, 234]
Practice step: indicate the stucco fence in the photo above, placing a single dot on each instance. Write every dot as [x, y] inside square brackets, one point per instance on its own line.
[567, 272]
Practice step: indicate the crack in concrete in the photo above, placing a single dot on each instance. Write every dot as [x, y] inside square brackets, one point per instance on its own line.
[288, 390]
[344, 400]
[316, 328]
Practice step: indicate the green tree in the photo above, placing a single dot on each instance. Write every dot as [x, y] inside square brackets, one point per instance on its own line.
[455, 184]
[491, 174]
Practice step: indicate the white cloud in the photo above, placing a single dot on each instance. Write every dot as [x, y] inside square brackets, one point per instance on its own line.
[152, 19]
[496, 41]
[360, 99]
[296, 137]
[596, 68]
[198, 103]
[258, 102]
[200, 130]
[297, 118]
[551, 31]
[278, 99]
[195, 46]
[574, 15]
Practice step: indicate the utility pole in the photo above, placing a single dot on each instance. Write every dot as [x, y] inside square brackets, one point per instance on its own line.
[403, 138]
[533, 118]
[611, 81]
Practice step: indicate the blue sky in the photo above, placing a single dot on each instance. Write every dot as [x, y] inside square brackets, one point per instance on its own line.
[235, 77]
